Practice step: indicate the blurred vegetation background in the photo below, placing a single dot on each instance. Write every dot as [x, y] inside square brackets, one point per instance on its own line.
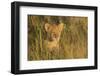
[73, 40]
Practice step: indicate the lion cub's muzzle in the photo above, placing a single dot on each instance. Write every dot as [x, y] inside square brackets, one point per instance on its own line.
[53, 37]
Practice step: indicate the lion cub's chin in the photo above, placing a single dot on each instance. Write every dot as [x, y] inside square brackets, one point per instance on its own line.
[51, 45]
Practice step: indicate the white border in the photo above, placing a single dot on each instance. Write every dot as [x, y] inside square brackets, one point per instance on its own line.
[26, 65]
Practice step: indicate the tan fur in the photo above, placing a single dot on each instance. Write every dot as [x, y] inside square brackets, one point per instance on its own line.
[53, 36]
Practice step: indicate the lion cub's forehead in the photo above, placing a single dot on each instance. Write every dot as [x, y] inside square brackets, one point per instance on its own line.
[54, 28]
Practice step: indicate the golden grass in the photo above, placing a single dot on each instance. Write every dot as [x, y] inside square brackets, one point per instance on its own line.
[73, 40]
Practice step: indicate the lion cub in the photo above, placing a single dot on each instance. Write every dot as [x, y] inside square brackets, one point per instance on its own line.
[53, 36]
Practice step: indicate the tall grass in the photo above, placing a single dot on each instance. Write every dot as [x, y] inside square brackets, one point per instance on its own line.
[73, 40]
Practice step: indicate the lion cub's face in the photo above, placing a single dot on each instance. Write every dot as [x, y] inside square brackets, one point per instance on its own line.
[53, 31]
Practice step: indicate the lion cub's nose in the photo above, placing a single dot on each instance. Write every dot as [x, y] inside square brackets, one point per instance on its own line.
[55, 35]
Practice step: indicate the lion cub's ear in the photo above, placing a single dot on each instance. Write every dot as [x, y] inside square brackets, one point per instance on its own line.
[61, 26]
[47, 25]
